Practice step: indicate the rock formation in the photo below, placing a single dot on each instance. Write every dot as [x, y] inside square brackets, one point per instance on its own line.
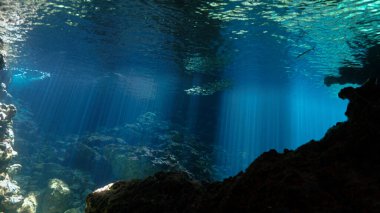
[137, 150]
[56, 198]
[5, 75]
[11, 199]
[339, 173]
[10, 193]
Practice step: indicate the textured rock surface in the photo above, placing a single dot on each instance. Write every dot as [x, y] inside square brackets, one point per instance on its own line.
[340, 173]
[177, 193]
[6, 134]
[11, 198]
[56, 197]
[10, 193]
[5, 75]
[137, 150]
[85, 162]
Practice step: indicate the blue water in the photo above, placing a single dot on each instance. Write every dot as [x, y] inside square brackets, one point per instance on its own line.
[147, 72]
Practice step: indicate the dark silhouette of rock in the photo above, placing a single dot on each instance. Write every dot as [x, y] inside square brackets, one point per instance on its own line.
[340, 173]
[2, 62]
[354, 75]
[2, 59]
[163, 192]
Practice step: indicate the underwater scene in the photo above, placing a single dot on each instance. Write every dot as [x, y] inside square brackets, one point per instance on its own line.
[109, 90]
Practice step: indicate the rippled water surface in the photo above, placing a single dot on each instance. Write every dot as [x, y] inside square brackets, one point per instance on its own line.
[200, 86]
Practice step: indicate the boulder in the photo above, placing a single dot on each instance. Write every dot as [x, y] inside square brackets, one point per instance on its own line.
[56, 198]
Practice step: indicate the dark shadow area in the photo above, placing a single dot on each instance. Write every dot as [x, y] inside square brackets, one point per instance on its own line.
[359, 75]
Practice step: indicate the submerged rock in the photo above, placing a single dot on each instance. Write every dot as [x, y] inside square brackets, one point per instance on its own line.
[56, 198]
[101, 140]
[11, 198]
[12, 202]
[14, 169]
[340, 173]
[5, 75]
[2, 62]
[29, 204]
[140, 149]
[177, 192]
[8, 187]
